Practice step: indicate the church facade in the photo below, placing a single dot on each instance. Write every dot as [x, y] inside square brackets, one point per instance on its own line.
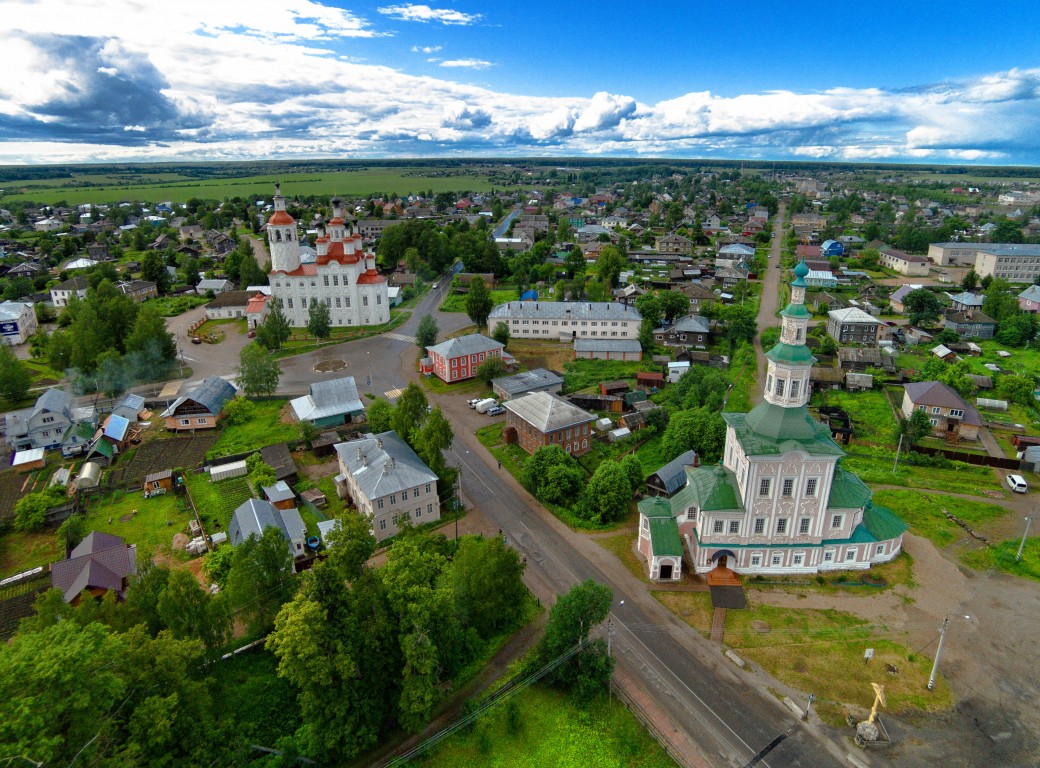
[343, 275]
[780, 501]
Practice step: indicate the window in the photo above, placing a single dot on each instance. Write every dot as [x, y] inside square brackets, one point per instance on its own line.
[47, 419]
[717, 527]
[810, 486]
[200, 420]
[335, 280]
[382, 525]
[777, 559]
[427, 487]
[404, 495]
[429, 509]
[346, 302]
[764, 486]
[379, 503]
[850, 555]
[379, 299]
[956, 413]
[803, 525]
[691, 514]
[837, 521]
[779, 387]
[645, 524]
[756, 560]
[364, 301]
[880, 549]
[769, 382]
[933, 422]
[798, 559]
[339, 302]
[828, 556]
[303, 302]
[798, 334]
[290, 302]
[185, 422]
[794, 388]
[781, 525]
[734, 527]
[326, 281]
[936, 409]
[788, 487]
[760, 525]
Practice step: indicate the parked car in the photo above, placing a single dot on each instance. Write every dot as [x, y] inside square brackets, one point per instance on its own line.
[473, 403]
[497, 410]
[483, 405]
[1017, 483]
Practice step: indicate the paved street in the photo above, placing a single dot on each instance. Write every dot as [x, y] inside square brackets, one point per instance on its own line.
[769, 302]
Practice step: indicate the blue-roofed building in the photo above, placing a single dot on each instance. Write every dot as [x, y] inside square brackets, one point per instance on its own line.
[832, 248]
[531, 295]
[672, 476]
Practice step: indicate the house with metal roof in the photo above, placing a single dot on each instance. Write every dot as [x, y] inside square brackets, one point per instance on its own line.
[672, 476]
[387, 482]
[1028, 300]
[525, 382]
[948, 413]
[568, 320]
[253, 516]
[17, 322]
[48, 423]
[130, 407]
[99, 564]
[280, 494]
[852, 326]
[458, 359]
[689, 331]
[329, 403]
[607, 349]
[540, 419]
[202, 407]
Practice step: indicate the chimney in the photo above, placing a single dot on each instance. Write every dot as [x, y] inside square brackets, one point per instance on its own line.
[379, 443]
[360, 453]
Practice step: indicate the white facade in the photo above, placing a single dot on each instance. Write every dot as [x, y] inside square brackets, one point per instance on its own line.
[343, 276]
[567, 320]
[17, 322]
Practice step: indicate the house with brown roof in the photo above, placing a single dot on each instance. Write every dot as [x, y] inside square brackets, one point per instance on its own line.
[950, 416]
[970, 324]
[99, 564]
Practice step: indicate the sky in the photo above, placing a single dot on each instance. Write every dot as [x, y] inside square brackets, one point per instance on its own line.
[91, 81]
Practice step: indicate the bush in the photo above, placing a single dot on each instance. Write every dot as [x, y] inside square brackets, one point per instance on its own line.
[30, 513]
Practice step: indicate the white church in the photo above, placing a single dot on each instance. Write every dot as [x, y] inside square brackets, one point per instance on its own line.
[779, 502]
[343, 275]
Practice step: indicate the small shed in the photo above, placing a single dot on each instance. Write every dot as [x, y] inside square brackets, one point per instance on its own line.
[613, 387]
[60, 478]
[281, 495]
[314, 496]
[218, 538]
[325, 527]
[646, 379]
[279, 458]
[325, 443]
[855, 382]
[26, 461]
[618, 434]
[89, 476]
[676, 370]
[603, 425]
[227, 471]
[158, 482]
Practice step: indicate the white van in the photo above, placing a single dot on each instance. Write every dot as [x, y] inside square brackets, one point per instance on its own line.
[1017, 483]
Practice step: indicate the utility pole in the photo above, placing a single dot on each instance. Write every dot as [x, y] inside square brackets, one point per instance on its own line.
[808, 707]
[898, 449]
[1025, 535]
[938, 654]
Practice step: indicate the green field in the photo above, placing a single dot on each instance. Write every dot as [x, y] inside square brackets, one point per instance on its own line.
[924, 513]
[264, 427]
[82, 188]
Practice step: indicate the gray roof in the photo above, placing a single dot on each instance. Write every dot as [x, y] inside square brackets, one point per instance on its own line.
[969, 299]
[383, 464]
[691, 324]
[212, 394]
[280, 491]
[254, 515]
[606, 345]
[471, 344]
[13, 310]
[565, 310]
[527, 380]
[134, 402]
[1032, 293]
[548, 413]
[1009, 249]
[672, 475]
[851, 315]
[53, 400]
[328, 398]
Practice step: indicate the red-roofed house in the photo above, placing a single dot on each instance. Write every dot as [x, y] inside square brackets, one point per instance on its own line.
[100, 563]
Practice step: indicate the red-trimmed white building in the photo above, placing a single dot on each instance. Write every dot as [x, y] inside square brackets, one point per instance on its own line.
[458, 359]
[343, 276]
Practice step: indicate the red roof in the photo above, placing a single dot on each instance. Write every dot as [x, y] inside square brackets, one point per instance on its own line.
[304, 270]
[281, 217]
[371, 277]
[256, 304]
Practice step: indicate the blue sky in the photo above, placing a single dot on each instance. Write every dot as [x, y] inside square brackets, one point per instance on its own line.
[100, 80]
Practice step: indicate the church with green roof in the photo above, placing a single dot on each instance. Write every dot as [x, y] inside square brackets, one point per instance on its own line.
[780, 501]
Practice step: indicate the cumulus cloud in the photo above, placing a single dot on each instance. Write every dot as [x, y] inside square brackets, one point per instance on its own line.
[427, 49]
[465, 63]
[424, 13]
[461, 116]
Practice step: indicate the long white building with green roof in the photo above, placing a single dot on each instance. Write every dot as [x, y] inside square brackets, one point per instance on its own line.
[779, 502]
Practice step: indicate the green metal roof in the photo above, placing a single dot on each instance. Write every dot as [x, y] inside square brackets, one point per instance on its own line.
[655, 506]
[710, 489]
[82, 430]
[883, 523]
[796, 311]
[664, 537]
[771, 429]
[793, 354]
[106, 449]
[847, 491]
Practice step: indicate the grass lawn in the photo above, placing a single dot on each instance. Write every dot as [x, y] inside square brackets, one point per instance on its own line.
[264, 427]
[694, 608]
[148, 523]
[872, 420]
[743, 372]
[216, 502]
[874, 466]
[538, 353]
[582, 374]
[1001, 556]
[469, 387]
[22, 551]
[221, 328]
[456, 302]
[877, 579]
[170, 306]
[42, 374]
[549, 728]
[328, 486]
[300, 342]
[621, 546]
[923, 513]
[822, 652]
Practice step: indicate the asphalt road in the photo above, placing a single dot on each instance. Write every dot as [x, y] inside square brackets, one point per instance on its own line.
[707, 701]
[770, 299]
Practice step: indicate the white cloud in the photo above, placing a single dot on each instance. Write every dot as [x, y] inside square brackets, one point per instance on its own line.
[424, 13]
[465, 63]
[427, 49]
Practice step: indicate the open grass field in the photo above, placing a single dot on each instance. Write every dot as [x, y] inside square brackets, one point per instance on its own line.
[874, 466]
[583, 374]
[535, 353]
[924, 513]
[177, 187]
[22, 551]
[1001, 557]
[545, 727]
[171, 306]
[264, 427]
[216, 502]
[872, 419]
[148, 523]
[694, 608]
[456, 302]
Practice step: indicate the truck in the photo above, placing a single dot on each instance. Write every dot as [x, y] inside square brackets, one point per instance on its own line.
[483, 405]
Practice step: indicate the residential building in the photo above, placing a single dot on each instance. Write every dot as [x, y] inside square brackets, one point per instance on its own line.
[228, 305]
[821, 278]
[330, 403]
[387, 482]
[970, 324]
[904, 263]
[1016, 263]
[780, 502]
[131, 407]
[689, 331]
[201, 408]
[672, 476]
[733, 254]
[1028, 300]
[966, 301]
[343, 275]
[950, 416]
[138, 290]
[526, 382]
[457, 359]
[674, 243]
[898, 297]
[831, 248]
[852, 326]
[217, 285]
[699, 296]
[254, 516]
[540, 418]
[607, 349]
[45, 424]
[61, 293]
[567, 320]
[17, 322]
[99, 564]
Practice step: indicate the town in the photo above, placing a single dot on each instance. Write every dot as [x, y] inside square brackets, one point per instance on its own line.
[751, 448]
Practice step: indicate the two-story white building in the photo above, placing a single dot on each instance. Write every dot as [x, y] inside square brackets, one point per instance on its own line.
[567, 320]
[387, 482]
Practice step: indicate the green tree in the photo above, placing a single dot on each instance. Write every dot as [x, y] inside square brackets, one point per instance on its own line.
[142, 599]
[1001, 300]
[570, 621]
[914, 428]
[608, 493]
[426, 333]
[1007, 231]
[1017, 329]
[261, 579]
[1015, 388]
[250, 273]
[153, 269]
[15, 378]
[491, 368]
[673, 305]
[113, 376]
[275, 329]
[432, 439]
[501, 334]
[217, 565]
[72, 531]
[191, 612]
[741, 323]
[922, 307]
[149, 344]
[609, 265]
[485, 582]
[649, 307]
[258, 372]
[30, 512]
[478, 302]
[699, 429]
[379, 415]
[971, 280]
[319, 319]
[409, 412]
[553, 475]
[239, 411]
[350, 544]
[633, 469]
